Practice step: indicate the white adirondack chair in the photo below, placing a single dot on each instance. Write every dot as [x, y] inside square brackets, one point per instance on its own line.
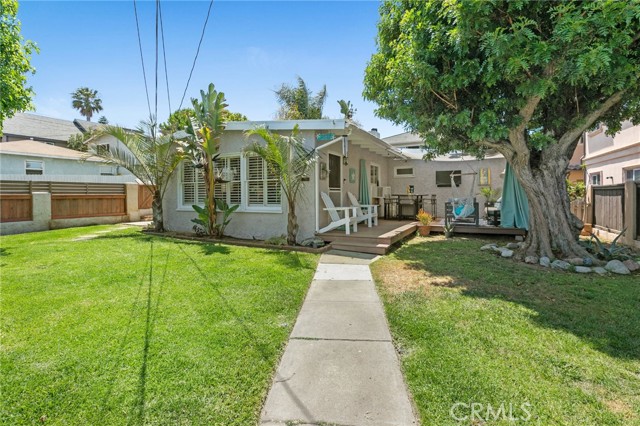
[349, 216]
[368, 212]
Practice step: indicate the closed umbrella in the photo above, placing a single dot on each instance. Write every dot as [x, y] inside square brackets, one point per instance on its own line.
[363, 196]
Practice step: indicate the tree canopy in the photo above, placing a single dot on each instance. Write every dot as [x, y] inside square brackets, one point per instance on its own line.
[15, 63]
[179, 120]
[464, 74]
[299, 103]
[525, 78]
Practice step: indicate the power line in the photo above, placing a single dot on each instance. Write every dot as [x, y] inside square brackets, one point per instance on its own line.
[155, 111]
[144, 73]
[197, 53]
[164, 57]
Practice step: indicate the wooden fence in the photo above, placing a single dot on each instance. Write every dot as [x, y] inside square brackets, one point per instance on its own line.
[68, 206]
[145, 197]
[68, 199]
[608, 207]
[579, 209]
[16, 207]
[638, 211]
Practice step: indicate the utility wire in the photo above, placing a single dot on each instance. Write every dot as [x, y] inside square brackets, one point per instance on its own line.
[197, 53]
[164, 57]
[155, 110]
[144, 73]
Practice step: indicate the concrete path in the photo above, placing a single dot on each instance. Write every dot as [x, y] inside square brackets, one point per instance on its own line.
[340, 367]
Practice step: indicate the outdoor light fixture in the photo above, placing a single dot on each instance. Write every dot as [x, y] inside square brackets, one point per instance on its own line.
[345, 150]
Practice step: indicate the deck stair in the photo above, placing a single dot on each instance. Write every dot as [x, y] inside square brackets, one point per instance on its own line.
[374, 240]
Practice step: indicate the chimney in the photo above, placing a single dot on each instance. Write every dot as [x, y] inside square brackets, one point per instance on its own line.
[375, 132]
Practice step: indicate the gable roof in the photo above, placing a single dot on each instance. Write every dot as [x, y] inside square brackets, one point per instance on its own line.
[406, 138]
[39, 149]
[40, 127]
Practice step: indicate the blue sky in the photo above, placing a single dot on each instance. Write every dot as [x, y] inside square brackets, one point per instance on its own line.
[249, 49]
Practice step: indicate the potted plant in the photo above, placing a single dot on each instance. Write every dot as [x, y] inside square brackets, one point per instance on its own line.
[448, 230]
[425, 220]
[490, 195]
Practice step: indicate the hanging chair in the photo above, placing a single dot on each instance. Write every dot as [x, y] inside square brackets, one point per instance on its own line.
[463, 207]
[224, 175]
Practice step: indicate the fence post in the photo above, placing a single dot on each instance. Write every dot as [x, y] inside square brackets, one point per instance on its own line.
[41, 211]
[630, 212]
[133, 212]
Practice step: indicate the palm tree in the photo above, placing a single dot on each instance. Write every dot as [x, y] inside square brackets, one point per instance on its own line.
[298, 103]
[150, 157]
[347, 109]
[205, 129]
[86, 101]
[287, 158]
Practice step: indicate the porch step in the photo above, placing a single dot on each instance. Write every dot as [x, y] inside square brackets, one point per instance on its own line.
[361, 248]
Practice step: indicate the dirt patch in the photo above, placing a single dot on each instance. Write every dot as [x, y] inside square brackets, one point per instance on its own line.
[236, 242]
[616, 406]
[397, 277]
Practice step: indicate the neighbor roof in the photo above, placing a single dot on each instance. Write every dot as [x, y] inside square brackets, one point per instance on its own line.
[40, 149]
[39, 127]
[406, 138]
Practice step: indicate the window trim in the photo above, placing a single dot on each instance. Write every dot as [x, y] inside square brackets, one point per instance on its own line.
[633, 170]
[34, 161]
[103, 146]
[592, 175]
[114, 171]
[371, 165]
[396, 175]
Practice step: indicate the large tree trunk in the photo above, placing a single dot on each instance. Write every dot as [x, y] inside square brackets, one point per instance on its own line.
[553, 229]
[156, 206]
[292, 224]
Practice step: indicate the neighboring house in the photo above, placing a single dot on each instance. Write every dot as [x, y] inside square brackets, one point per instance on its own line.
[31, 160]
[575, 172]
[613, 159]
[52, 131]
[432, 177]
[263, 213]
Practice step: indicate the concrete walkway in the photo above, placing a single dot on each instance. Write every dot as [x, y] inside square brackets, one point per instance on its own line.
[340, 367]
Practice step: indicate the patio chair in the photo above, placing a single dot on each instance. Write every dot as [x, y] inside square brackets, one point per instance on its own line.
[368, 212]
[349, 216]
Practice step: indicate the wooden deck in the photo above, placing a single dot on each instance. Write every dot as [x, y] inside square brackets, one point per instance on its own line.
[374, 240]
[379, 239]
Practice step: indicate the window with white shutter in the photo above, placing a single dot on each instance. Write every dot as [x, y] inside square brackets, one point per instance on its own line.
[193, 187]
[248, 182]
[263, 186]
[228, 168]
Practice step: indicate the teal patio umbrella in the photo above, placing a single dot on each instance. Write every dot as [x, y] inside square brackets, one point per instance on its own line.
[514, 210]
[363, 195]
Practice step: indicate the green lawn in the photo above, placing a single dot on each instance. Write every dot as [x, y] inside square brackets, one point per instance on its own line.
[130, 329]
[474, 328]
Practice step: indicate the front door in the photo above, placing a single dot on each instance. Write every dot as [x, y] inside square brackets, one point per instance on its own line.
[335, 179]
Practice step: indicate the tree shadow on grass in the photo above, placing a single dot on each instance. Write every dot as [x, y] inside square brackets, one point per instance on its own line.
[150, 313]
[290, 259]
[601, 310]
[266, 351]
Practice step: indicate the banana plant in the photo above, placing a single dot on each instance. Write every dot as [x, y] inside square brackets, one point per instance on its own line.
[205, 131]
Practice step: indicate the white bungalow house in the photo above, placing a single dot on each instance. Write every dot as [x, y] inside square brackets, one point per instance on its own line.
[346, 155]
[32, 160]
